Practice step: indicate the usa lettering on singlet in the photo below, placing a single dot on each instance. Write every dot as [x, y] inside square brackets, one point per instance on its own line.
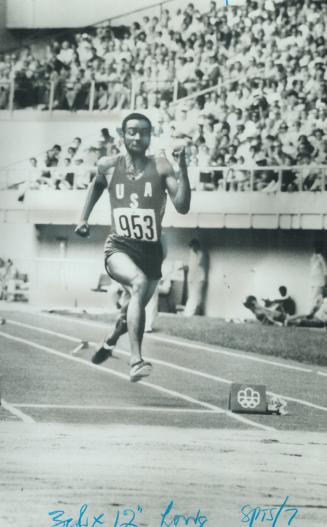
[137, 205]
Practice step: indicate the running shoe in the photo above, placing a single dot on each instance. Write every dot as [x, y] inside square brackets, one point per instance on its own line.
[102, 354]
[139, 370]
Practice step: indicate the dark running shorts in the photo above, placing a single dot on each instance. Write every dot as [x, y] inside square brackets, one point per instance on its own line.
[146, 255]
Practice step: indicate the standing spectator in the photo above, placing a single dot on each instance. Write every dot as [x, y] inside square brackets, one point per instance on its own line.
[196, 279]
[318, 273]
[2, 275]
[9, 281]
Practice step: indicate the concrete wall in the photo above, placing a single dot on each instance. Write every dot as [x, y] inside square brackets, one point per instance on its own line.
[249, 262]
[75, 13]
[7, 39]
[78, 13]
[63, 269]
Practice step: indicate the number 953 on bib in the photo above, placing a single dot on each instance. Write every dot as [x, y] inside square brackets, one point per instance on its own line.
[138, 224]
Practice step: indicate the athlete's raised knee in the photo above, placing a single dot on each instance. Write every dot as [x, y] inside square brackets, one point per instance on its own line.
[140, 285]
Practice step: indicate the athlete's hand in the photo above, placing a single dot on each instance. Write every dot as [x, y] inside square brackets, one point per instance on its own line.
[83, 230]
[179, 155]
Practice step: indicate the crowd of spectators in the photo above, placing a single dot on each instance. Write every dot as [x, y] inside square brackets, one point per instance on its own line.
[266, 63]
[72, 166]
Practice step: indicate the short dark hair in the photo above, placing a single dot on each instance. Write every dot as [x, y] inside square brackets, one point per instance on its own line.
[249, 301]
[136, 116]
[283, 290]
[194, 243]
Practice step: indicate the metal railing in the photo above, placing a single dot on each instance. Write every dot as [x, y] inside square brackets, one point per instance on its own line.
[273, 178]
[237, 178]
[49, 90]
[53, 96]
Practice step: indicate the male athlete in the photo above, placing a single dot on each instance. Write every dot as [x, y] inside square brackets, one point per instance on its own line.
[138, 187]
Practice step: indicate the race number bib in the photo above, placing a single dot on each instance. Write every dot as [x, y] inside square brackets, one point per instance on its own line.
[138, 224]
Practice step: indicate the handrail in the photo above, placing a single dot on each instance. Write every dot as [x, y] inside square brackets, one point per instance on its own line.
[11, 85]
[251, 171]
[194, 95]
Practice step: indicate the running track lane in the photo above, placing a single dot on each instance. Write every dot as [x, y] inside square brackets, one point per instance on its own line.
[210, 388]
[41, 376]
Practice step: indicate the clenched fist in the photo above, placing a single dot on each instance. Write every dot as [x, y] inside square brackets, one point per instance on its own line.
[83, 230]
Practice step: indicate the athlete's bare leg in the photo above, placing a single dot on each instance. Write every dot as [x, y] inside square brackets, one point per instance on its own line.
[141, 288]
[121, 322]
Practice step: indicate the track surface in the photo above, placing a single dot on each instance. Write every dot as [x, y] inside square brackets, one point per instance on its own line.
[88, 427]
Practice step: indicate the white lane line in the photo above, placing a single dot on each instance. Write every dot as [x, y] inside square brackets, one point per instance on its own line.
[222, 380]
[220, 351]
[180, 368]
[126, 354]
[322, 373]
[189, 370]
[185, 343]
[81, 322]
[117, 408]
[156, 387]
[43, 330]
[15, 411]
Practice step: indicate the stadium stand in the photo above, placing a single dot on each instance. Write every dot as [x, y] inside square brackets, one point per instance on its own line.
[244, 87]
[74, 166]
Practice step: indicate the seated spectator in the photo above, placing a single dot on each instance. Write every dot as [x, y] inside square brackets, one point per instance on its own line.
[76, 143]
[236, 179]
[317, 317]
[285, 304]
[266, 181]
[119, 96]
[65, 176]
[263, 314]
[71, 151]
[82, 174]
[52, 156]
[309, 177]
[101, 99]
[289, 179]
[66, 53]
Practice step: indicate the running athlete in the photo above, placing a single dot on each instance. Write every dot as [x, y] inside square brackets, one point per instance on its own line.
[138, 186]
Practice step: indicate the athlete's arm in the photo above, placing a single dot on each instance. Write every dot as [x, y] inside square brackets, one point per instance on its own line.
[95, 191]
[178, 185]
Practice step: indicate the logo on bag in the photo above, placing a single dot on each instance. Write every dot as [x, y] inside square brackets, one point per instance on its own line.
[248, 398]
